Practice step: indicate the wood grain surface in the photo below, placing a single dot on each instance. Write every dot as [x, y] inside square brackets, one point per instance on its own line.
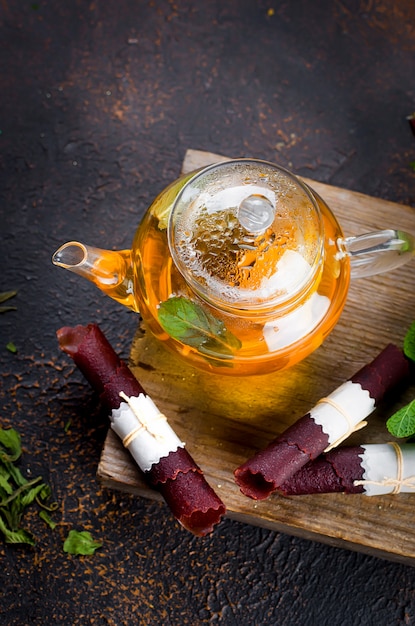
[224, 420]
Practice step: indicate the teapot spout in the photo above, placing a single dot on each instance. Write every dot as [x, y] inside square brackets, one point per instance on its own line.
[111, 271]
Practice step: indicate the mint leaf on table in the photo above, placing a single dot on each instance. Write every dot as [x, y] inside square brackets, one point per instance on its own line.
[16, 536]
[30, 493]
[44, 515]
[80, 542]
[189, 323]
[409, 343]
[13, 505]
[4, 296]
[42, 500]
[10, 445]
[402, 423]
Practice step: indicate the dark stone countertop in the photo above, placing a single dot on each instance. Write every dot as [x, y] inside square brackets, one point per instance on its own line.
[99, 102]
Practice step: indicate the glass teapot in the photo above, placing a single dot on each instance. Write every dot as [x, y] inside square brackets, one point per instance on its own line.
[239, 267]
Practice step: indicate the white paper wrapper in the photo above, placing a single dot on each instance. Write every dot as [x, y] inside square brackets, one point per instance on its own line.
[343, 412]
[144, 431]
[388, 468]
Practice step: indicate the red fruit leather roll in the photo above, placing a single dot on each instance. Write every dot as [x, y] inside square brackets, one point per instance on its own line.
[334, 472]
[328, 424]
[184, 488]
[371, 469]
[145, 432]
[91, 352]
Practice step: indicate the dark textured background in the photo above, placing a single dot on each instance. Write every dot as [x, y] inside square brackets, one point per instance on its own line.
[99, 101]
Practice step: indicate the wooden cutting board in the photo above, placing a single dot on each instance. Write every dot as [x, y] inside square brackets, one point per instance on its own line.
[224, 420]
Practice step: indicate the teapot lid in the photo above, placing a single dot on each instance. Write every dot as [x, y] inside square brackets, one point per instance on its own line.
[246, 234]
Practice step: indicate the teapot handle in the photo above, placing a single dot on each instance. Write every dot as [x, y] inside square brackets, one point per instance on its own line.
[377, 252]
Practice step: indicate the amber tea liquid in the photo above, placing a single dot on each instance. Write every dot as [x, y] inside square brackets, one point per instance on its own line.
[267, 342]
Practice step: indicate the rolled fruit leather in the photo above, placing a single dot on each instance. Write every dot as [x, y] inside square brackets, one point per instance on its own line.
[371, 469]
[145, 432]
[324, 427]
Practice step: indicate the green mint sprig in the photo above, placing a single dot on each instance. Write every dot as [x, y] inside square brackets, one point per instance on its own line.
[16, 492]
[402, 423]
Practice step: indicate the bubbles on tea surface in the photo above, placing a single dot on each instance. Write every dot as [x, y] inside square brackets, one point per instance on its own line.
[231, 262]
[230, 237]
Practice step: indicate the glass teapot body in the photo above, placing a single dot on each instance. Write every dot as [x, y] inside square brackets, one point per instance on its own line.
[228, 336]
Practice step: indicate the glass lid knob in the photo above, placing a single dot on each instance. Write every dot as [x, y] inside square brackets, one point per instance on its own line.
[256, 213]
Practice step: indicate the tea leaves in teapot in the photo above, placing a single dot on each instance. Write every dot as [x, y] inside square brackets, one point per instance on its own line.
[187, 322]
